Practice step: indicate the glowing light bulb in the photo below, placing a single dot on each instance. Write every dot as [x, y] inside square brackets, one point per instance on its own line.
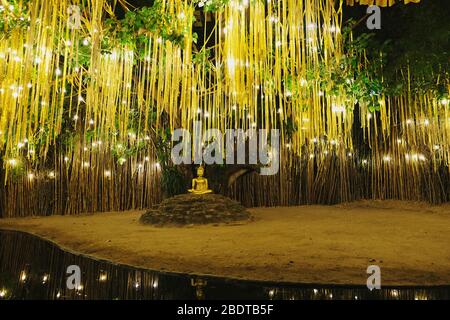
[23, 276]
[107, 173]
[338, 109]
[274, 19]
[30, 176]
[51, 175]
[103, 277]
[3, 293]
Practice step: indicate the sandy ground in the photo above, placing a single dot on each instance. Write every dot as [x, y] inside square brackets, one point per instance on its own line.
[309, 244]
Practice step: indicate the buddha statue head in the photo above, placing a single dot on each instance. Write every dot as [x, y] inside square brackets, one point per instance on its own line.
[200, 171]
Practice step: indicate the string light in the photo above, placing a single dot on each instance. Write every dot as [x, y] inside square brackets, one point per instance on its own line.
[12, 162]
[338, 109]
[103, 276]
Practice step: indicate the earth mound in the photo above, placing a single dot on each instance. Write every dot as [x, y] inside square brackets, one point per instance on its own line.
[188, 209]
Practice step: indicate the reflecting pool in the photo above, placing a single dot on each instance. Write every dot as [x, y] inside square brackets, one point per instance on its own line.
[33, 268]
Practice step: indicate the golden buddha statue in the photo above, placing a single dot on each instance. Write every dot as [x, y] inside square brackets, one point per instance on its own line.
[200, 184]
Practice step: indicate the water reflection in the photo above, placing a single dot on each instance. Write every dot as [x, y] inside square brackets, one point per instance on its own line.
[32, 268]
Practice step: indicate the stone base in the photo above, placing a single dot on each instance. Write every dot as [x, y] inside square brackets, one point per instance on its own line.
[188, 209]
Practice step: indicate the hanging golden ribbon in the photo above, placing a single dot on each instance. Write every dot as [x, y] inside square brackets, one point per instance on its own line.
[381, 3]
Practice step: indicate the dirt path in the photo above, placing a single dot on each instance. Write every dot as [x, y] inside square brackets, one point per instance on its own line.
[310, 244]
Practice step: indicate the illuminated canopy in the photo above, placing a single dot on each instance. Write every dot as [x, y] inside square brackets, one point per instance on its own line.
[381, 3]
